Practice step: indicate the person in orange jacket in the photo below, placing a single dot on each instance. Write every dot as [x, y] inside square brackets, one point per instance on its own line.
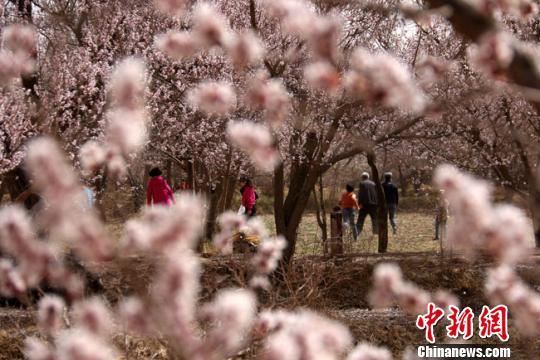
[349, 204]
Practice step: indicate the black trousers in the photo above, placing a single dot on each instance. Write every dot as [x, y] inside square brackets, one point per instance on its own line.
[366, 210]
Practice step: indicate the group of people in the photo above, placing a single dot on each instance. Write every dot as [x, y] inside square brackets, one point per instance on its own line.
[367, 202]
[158, 192]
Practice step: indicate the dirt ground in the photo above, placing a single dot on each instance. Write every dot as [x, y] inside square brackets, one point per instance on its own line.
[336, 287]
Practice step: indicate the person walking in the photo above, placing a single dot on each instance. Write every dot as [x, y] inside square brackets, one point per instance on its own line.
[367, 199]
[441, 218]
[158, 192]
[349, 204]
[249, 196]
[391, 196]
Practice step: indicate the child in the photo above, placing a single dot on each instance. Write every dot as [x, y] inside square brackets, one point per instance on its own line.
[349, 204]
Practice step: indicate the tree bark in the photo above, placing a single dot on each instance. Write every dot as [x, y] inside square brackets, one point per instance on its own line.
[320, 210]
[382, 218]
[215, 192]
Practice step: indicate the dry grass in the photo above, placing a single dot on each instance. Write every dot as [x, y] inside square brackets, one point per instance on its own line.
[334, 286]
[415, 234]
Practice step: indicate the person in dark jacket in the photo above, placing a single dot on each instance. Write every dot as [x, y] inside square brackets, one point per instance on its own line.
[392, 199]
[367, 199]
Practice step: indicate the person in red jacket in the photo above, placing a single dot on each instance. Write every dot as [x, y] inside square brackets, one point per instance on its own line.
[249, 196]
[158, 192]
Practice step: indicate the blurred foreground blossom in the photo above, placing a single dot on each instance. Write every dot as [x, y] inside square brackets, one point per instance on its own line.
[302, 335]
[477, 225]
[503, 286]
[381, 78]
[50, 314]
[178, 44]
[256, 140]
[213, 97]
[390, 288]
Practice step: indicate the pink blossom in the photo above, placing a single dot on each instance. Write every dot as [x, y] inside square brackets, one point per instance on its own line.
[213, 97]
[178, 44]
[9, 68]
[271, 96]
[322, 76]
[92, 156]
[381, 78]
[49, 169]
[306, 335]
[444, 299]
[178, 280]
[232, 313]
[260, 282]
[503, 286]
[174, 8]
[16, 233]
[134, 316]
[268, 254]
[12, 283]
[126, 130]
[365, 351]
[245, 49]
[430, 68]
[20, 39]
[116, 165]
[35, 349]
[282, 9]
[390, 288]
[163, 229]
[93, 316]
[324, 36]
[478, 226]
[257, 227]
[229, 222]
[77, 344]
[257, 141]
[210, 25]
[50, 314]
[493, 54]
[128, 84]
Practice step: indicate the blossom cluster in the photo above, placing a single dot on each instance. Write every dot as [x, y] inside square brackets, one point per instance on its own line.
[503, 286]
[382, 79]
[63, 212]
[493, 54]
[127, 120]
[524, 9]
[269, 251]
[161, 229]
[17, 56]
[390, 288]
[477, 225]
[256, 140]
[301, 335]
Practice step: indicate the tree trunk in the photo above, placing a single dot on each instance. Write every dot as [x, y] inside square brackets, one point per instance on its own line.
[191, 174]
[215, 193]
[382, 218]
[320, 210]
[534, 208]
[169, 173]
[403, 183]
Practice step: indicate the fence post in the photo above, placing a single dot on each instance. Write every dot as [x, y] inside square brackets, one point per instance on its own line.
[336, 233]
